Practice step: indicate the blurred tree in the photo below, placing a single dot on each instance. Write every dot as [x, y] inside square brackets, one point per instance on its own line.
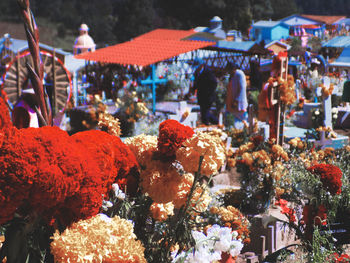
[283, 8]
[261, 9]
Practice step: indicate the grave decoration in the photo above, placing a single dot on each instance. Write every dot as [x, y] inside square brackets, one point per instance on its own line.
[315, 201]
[56, 183]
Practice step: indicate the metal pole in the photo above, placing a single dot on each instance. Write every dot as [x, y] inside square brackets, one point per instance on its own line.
[153, 89]
[54, 97]
[18, 66]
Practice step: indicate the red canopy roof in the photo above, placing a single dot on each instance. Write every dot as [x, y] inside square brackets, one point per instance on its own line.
[147, 49]
[325, 19]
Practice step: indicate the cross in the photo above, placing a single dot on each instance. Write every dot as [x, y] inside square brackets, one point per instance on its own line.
[152, 81]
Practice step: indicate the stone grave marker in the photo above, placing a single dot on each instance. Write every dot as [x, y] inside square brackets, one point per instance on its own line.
[327, 105]
[184, 115]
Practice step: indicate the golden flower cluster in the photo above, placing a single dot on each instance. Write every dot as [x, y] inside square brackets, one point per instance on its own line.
[316, 157]
[98, 239]
[215, 132]
[131, 106]
[160, 211]
[245, 147]
[163, 183]
[143, 146]
[277, 170]
[278, 151]
[329, 133]
[200, 199]
[109, 124]
[297, 143]
[202, 144]
[287, 90]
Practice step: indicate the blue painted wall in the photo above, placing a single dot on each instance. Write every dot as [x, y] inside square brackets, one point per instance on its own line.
[270, 33]
[279, 32]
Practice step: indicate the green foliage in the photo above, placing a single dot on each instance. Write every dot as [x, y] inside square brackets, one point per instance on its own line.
[315, 44]
[113, 21]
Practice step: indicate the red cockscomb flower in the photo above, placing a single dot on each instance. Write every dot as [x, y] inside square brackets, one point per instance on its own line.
[44, 170]
[115, 159]
[171, 136]
[330, 176]
[40, 168]
[5, 119]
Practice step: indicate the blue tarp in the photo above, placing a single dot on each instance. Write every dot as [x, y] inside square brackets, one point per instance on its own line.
[240, 46]
[338, 42]
[17, 45]
[345, 21]
[343, 60]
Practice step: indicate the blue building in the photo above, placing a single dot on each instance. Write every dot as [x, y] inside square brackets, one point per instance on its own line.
[215, 28]
[269, 31]
[300, 25]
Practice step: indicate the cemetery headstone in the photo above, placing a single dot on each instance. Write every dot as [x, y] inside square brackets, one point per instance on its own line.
[327, 105]
[184, 115]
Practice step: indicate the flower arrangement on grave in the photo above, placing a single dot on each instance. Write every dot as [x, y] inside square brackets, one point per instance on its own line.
[94, 116]
[58, 181]
[51, 180]
[287, 90]
[231, 217]
[315, 198]
[130, 105]
[261, 166]
[241, 136]
[173, 207]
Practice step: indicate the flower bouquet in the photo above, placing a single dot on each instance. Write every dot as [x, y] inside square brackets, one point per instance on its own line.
[261, 165]
[53, 185]
[130, 110]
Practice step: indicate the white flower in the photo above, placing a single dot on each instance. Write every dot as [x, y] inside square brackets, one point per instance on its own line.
[335, 116]
[317, 112]
[236, 247]
[209, 247]
[117, 192]
[334, 110]
[106, 205]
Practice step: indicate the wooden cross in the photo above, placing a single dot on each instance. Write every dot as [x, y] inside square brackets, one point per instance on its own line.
[281, 106]
[152, 81]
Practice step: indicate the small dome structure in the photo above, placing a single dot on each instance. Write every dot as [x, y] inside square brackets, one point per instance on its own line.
[84, 42]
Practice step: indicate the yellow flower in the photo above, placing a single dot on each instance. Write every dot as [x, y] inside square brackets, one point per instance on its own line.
[202, 144]
[160, 211]
[143, 146]
[163, 183]
[98, 239]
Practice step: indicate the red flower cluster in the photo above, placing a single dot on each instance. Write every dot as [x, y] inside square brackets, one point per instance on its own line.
[116, 162]
[313, 216]
[330, 176]
[171, 136]
[344, 258]
[46, 171]
[5, 119]
[289, 212]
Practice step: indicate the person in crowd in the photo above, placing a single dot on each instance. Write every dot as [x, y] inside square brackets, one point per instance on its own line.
[205, 84]
[25, 112]
[236, 97]
[307, 57]
[256, 79]
[267, 98]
